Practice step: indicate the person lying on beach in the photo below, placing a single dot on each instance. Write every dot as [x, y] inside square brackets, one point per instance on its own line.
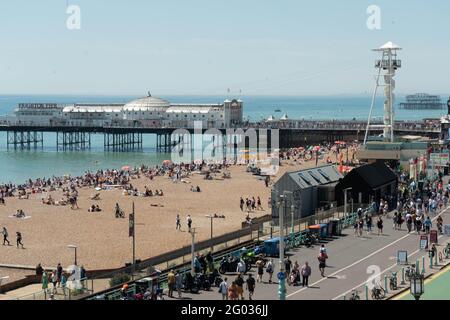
[49, 200]
[19, 214]
[94, 208]
[95, 196]
[157, 205]
[62, 202]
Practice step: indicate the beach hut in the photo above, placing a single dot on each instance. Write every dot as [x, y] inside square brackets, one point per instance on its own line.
[308, 190]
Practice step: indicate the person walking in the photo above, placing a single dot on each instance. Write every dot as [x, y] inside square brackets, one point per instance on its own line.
[54, 280]
[223, 289]
[189, 222]
[360, 227]
[418, 224]
[322, 262]
[5, 236]
[250, 286]
[19, 239]
[259, 205]
[241, 204]
[178, 226]
[409, 222]
[39, 270]
[369, 224]
[287, 267]
[171, 283]
[380, 225]
[63, 281]
[59, 271]
[269, 270]
[240, 286]
[260, 268]
[44, 281]
[306, 273]
[232, 292]
[427, 224]
[178, 283]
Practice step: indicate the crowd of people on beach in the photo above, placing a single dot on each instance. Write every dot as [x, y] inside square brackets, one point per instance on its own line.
[329, 152]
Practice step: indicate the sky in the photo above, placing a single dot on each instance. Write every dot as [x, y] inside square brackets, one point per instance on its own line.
[253, 47]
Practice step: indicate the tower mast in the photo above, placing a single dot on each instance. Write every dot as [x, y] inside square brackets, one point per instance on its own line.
[388, 64]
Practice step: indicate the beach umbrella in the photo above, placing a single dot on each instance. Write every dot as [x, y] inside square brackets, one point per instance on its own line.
[317, 148]
[126, 168]
[167, 162]
[198, 161]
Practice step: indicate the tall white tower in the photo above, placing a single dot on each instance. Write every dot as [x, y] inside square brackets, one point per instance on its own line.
[388, 64]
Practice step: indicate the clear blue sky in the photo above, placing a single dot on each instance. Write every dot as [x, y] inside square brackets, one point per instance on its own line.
[263, 47]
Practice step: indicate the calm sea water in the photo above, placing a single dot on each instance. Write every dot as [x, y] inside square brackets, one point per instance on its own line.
[19, 165]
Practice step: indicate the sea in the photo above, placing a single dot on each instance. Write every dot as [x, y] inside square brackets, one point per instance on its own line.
[17, 165]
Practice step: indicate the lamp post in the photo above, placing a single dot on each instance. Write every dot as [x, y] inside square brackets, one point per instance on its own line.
[281, 274]
[292, 221]
[211, 217]
[71, 246]
[417, 288]
[193, 251]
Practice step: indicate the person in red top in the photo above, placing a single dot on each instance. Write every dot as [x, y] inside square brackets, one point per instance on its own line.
[322, 262]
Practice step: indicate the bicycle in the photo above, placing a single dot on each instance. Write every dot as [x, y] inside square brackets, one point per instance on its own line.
[410, 271]
[378, 293]
[355, 295]
[393, 281]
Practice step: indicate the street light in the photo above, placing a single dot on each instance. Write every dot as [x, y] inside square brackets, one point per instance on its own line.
[292, 221]
[71, 246]
[417, 287]
[193, 251]
[281, 274]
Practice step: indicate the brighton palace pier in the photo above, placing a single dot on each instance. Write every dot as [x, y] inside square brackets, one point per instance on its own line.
[123, 125]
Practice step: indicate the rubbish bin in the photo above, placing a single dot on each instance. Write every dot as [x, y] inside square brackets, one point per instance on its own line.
[323, 230]
[330, 228]
[337, 227]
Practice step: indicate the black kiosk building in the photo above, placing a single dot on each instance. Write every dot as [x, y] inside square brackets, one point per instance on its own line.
[367, 183]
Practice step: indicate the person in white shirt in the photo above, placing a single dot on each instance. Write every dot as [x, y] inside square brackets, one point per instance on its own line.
[223, 289]
[241, 267]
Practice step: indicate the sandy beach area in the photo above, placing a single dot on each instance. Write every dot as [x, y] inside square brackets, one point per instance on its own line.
[103, 240]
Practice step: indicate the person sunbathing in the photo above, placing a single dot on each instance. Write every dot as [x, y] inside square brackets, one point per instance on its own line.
[94, 208]
[48, 201]
[20, 214]
[95, 196]
[62, 202]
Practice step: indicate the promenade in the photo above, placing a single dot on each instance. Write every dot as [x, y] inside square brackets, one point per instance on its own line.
[351, 262]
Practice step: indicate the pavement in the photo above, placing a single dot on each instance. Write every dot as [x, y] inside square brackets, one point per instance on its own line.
[352, 261]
